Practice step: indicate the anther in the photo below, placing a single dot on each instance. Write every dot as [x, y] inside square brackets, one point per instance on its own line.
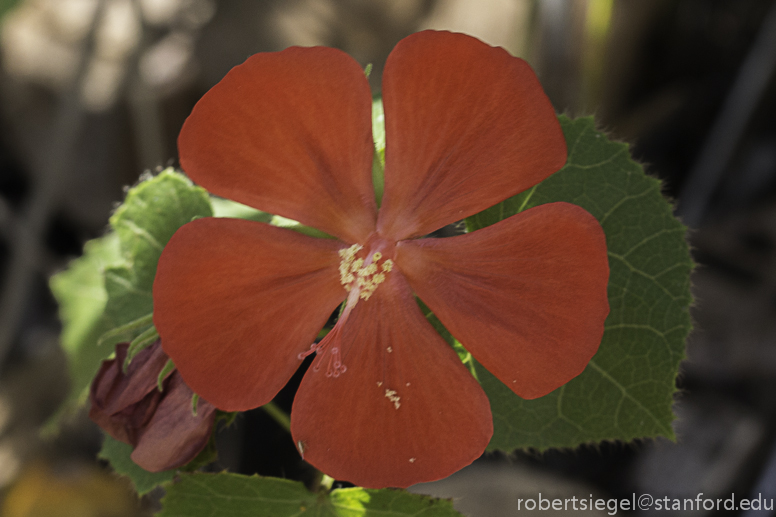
[363, 278]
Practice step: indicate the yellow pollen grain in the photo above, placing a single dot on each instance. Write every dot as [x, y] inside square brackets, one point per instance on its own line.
[376, 256]
[387, 265]
[393, 397]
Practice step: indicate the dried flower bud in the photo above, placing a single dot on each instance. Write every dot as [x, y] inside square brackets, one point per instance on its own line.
[158, 424]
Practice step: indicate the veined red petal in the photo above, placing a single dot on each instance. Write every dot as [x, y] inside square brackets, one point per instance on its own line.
[467, 126]
[405, 411]
[289, 133]
[526, 296]
[236, 301]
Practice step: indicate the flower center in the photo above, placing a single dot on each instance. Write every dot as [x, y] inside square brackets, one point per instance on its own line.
[362, 274]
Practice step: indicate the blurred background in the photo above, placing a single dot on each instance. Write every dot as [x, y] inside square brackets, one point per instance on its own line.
[94, 92]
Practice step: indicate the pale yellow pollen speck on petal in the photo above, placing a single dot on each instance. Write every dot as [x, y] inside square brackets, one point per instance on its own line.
[392, 396]
[354, 273]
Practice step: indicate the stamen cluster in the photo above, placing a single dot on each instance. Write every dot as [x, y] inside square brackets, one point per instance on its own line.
[366, 277]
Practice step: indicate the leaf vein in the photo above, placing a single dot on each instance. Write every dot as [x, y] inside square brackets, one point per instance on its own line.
[141, 233]
[624, 200]
[642, 273]
[625, 394]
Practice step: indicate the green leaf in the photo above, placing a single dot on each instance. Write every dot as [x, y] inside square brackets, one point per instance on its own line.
[6, 6]
[151, 213]
[378, 160]
[378, 128]
[356, 502]
[227, 208]
[290, 224]
[81, 295]
[110, 285]
[226, 495]
[118, 454]
[626, 391]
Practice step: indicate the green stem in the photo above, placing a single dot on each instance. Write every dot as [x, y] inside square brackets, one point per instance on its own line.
[278, 415]
[126, 331]
[327, 482]
[140, 343]
[168, 367]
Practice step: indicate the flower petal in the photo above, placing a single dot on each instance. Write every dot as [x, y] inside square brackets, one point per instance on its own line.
[526, 296]
[289, 133]
[174, 436]
[467, 126]
[405, 411]
[236, 301]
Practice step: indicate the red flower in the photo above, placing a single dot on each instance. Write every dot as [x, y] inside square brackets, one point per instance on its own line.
[158, 424]
[387, 401]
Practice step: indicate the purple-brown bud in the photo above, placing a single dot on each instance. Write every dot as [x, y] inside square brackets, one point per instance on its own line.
[158, 424]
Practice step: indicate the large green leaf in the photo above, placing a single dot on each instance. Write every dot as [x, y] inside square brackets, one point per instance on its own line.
[228, 495]
[626, 392]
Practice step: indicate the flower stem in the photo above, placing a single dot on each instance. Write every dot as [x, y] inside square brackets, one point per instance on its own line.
[327, 482]
[320, 482]
[278, 415]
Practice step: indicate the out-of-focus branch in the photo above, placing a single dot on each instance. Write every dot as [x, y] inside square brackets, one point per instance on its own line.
[27, 232]
[746, 94]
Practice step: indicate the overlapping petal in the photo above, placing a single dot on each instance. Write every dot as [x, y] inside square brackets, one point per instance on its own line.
[526, 296]
[236, 301]
[467, 126]
[173, 433]
[405, 411]
[289, 133]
